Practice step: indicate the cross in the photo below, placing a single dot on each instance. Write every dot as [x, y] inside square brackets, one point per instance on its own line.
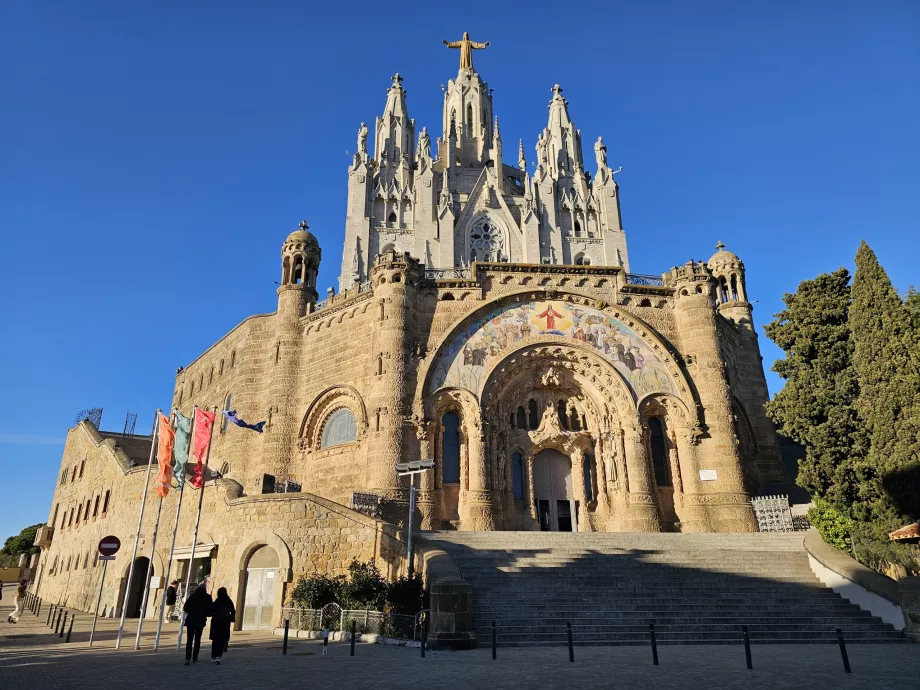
[303, 225]
[720, 246]
[557, 90]
[396, 79]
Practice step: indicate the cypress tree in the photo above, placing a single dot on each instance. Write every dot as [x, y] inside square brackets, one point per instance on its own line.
[817, 405]
[886, 359]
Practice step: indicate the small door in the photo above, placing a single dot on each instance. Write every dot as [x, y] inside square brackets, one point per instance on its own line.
[545, 525]
[260, 595]
[564, 516]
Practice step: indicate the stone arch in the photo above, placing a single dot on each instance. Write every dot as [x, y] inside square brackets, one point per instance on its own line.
[323, 405]
[249, 543]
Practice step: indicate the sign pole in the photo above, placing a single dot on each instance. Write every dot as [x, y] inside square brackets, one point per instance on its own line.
[411, 568]
[137, 535]
[105, 566]
[172, 548]
[191, 560]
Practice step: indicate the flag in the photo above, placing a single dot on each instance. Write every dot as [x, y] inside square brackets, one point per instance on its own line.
[231, 417]
[167, 438]
[183, 426]
[201, 440]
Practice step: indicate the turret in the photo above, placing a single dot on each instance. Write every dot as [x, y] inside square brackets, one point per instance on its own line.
[468, 114]
[731, 294]
[300, 257]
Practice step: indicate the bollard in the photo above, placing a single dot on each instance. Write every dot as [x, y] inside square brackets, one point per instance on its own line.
[70, 629]
[568, 630]
[61, 634]
[287, 625]
[38, 609]
[651, 634]
[747, 647]
[50, 615]
[494, 641]
[325, 642]
[843, 651]
[354, 633]
[57, 623]
[424, 636]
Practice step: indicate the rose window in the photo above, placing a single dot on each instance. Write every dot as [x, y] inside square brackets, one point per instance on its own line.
[486, 242]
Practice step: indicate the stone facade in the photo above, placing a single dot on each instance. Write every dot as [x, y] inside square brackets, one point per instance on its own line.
[486, 318]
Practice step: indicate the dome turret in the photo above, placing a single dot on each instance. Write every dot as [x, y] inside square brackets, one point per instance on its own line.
[300, 257]
[728, 270]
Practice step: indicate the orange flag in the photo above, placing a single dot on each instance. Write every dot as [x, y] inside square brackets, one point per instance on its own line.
[204, 422]
[167, 437]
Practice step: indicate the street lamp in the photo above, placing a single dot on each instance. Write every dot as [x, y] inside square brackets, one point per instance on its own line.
[410, 469]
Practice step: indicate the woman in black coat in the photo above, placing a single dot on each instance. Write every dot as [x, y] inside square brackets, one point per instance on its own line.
[197, 609]
[223, 614]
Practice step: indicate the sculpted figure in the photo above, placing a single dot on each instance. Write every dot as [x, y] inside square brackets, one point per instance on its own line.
[362, 139]
[600, 153]
[424, 144]
[466, 47]
[541, 149]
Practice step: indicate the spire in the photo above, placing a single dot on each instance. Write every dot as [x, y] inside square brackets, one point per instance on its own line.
[395, 132]
[562, 143]
[522, 159]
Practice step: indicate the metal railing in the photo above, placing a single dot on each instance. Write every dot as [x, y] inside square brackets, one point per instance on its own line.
[774, 514]
[332, 618]
[646, 280]
[448, 273]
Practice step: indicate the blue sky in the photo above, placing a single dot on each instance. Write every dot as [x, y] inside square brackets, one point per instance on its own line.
[154, 155]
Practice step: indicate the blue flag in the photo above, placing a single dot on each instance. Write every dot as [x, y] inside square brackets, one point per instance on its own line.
[231, 417]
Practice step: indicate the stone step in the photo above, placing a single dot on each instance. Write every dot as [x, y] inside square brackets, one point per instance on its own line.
[513, 622]
[703, 637]
[686, 627]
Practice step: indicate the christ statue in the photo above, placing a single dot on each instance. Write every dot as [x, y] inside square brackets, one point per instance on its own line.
[466, 47]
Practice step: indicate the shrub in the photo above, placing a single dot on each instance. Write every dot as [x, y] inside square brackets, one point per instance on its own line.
[833, 526]
[407, 596]
[365, 587]
[316, 591]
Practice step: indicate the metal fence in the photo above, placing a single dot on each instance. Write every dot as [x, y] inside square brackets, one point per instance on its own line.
[774, 514]
[640, 279]
[334, 618]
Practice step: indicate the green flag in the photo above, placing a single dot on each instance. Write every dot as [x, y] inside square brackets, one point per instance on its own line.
[183, 426]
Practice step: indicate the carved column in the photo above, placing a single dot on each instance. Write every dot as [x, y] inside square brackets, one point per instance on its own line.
[642, 508]
[478, 513]
[578, 487]
[426, 499]
[531, 496]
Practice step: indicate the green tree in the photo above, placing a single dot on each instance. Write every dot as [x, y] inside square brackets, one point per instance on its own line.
[24, 542]
[817, 405]
[886, 359]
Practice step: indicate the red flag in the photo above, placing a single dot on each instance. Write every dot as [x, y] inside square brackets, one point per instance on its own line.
[204, 421]
[167, 438]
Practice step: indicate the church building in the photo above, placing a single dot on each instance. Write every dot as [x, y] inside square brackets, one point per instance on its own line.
[487, 318]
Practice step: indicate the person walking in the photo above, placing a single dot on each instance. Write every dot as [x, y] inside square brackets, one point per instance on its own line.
[19, 602]
[223, 614]
[171, 599]
[197, 609]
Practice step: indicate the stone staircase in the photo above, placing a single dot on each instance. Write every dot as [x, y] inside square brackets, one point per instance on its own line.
[695, 588]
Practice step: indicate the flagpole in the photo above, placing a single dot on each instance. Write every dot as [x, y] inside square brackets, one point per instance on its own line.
[153, 553]
[191, 561]
[172, 548]
[137, 535]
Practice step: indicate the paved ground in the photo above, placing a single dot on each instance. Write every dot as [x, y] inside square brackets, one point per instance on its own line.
[31, 657]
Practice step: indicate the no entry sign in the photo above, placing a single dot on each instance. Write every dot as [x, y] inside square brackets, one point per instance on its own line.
[109, 546]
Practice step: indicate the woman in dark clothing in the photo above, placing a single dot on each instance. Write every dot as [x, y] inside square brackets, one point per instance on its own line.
[223, 614]
[197, 609]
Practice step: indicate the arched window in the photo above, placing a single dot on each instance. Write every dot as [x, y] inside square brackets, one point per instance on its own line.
[391, 218]
[574, 421]
[228, 401]
[469, 115]
[339, 428]
[563, 417]
[532, 413]
[577, 229]
[589, 485]
[450, 449]
[735, 294]
[659, 452]
[298, 270]
[511, 420]
[521, 418]
[517, 476]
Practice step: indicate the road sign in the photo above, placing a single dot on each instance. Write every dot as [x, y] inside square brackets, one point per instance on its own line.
[109, 546]
[106, 558]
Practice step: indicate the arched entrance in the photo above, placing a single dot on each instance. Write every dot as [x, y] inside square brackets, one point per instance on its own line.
[139, 580]
[259, 591]
[556, 509]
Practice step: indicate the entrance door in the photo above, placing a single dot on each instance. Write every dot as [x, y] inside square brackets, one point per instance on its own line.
[136, 587]
[258, 603]
[553, 491]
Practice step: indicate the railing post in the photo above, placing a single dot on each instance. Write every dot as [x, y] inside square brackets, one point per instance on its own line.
[747, 647]
[568, 630]
[494, 641]
[354, 632]
[287, 624]
[651, 633]
[61, 634]
[70, 629]
[843, 651]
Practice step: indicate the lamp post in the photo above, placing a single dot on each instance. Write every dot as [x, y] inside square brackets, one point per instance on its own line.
[410, 469]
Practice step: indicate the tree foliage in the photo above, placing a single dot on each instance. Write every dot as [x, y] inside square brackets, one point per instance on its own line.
[886, 360]
[817, 406]
[24, 542]
[363, 588]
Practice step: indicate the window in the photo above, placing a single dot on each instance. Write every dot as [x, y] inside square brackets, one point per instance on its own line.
[521, 418]
[450, 449]
[54, 519]
[533, 414]
[589, 486]
[391, 218]
[211, 376]
[89, 502]
[577, 229]
[232, 358]
[563, 416]
[339, 428]
[86, 561]
[517, 476]
[96, 507]
[82, 466]
[63, 477]
[73, 475]
[105, 503]
[227, 402]
[79, 511]
[659, 452]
